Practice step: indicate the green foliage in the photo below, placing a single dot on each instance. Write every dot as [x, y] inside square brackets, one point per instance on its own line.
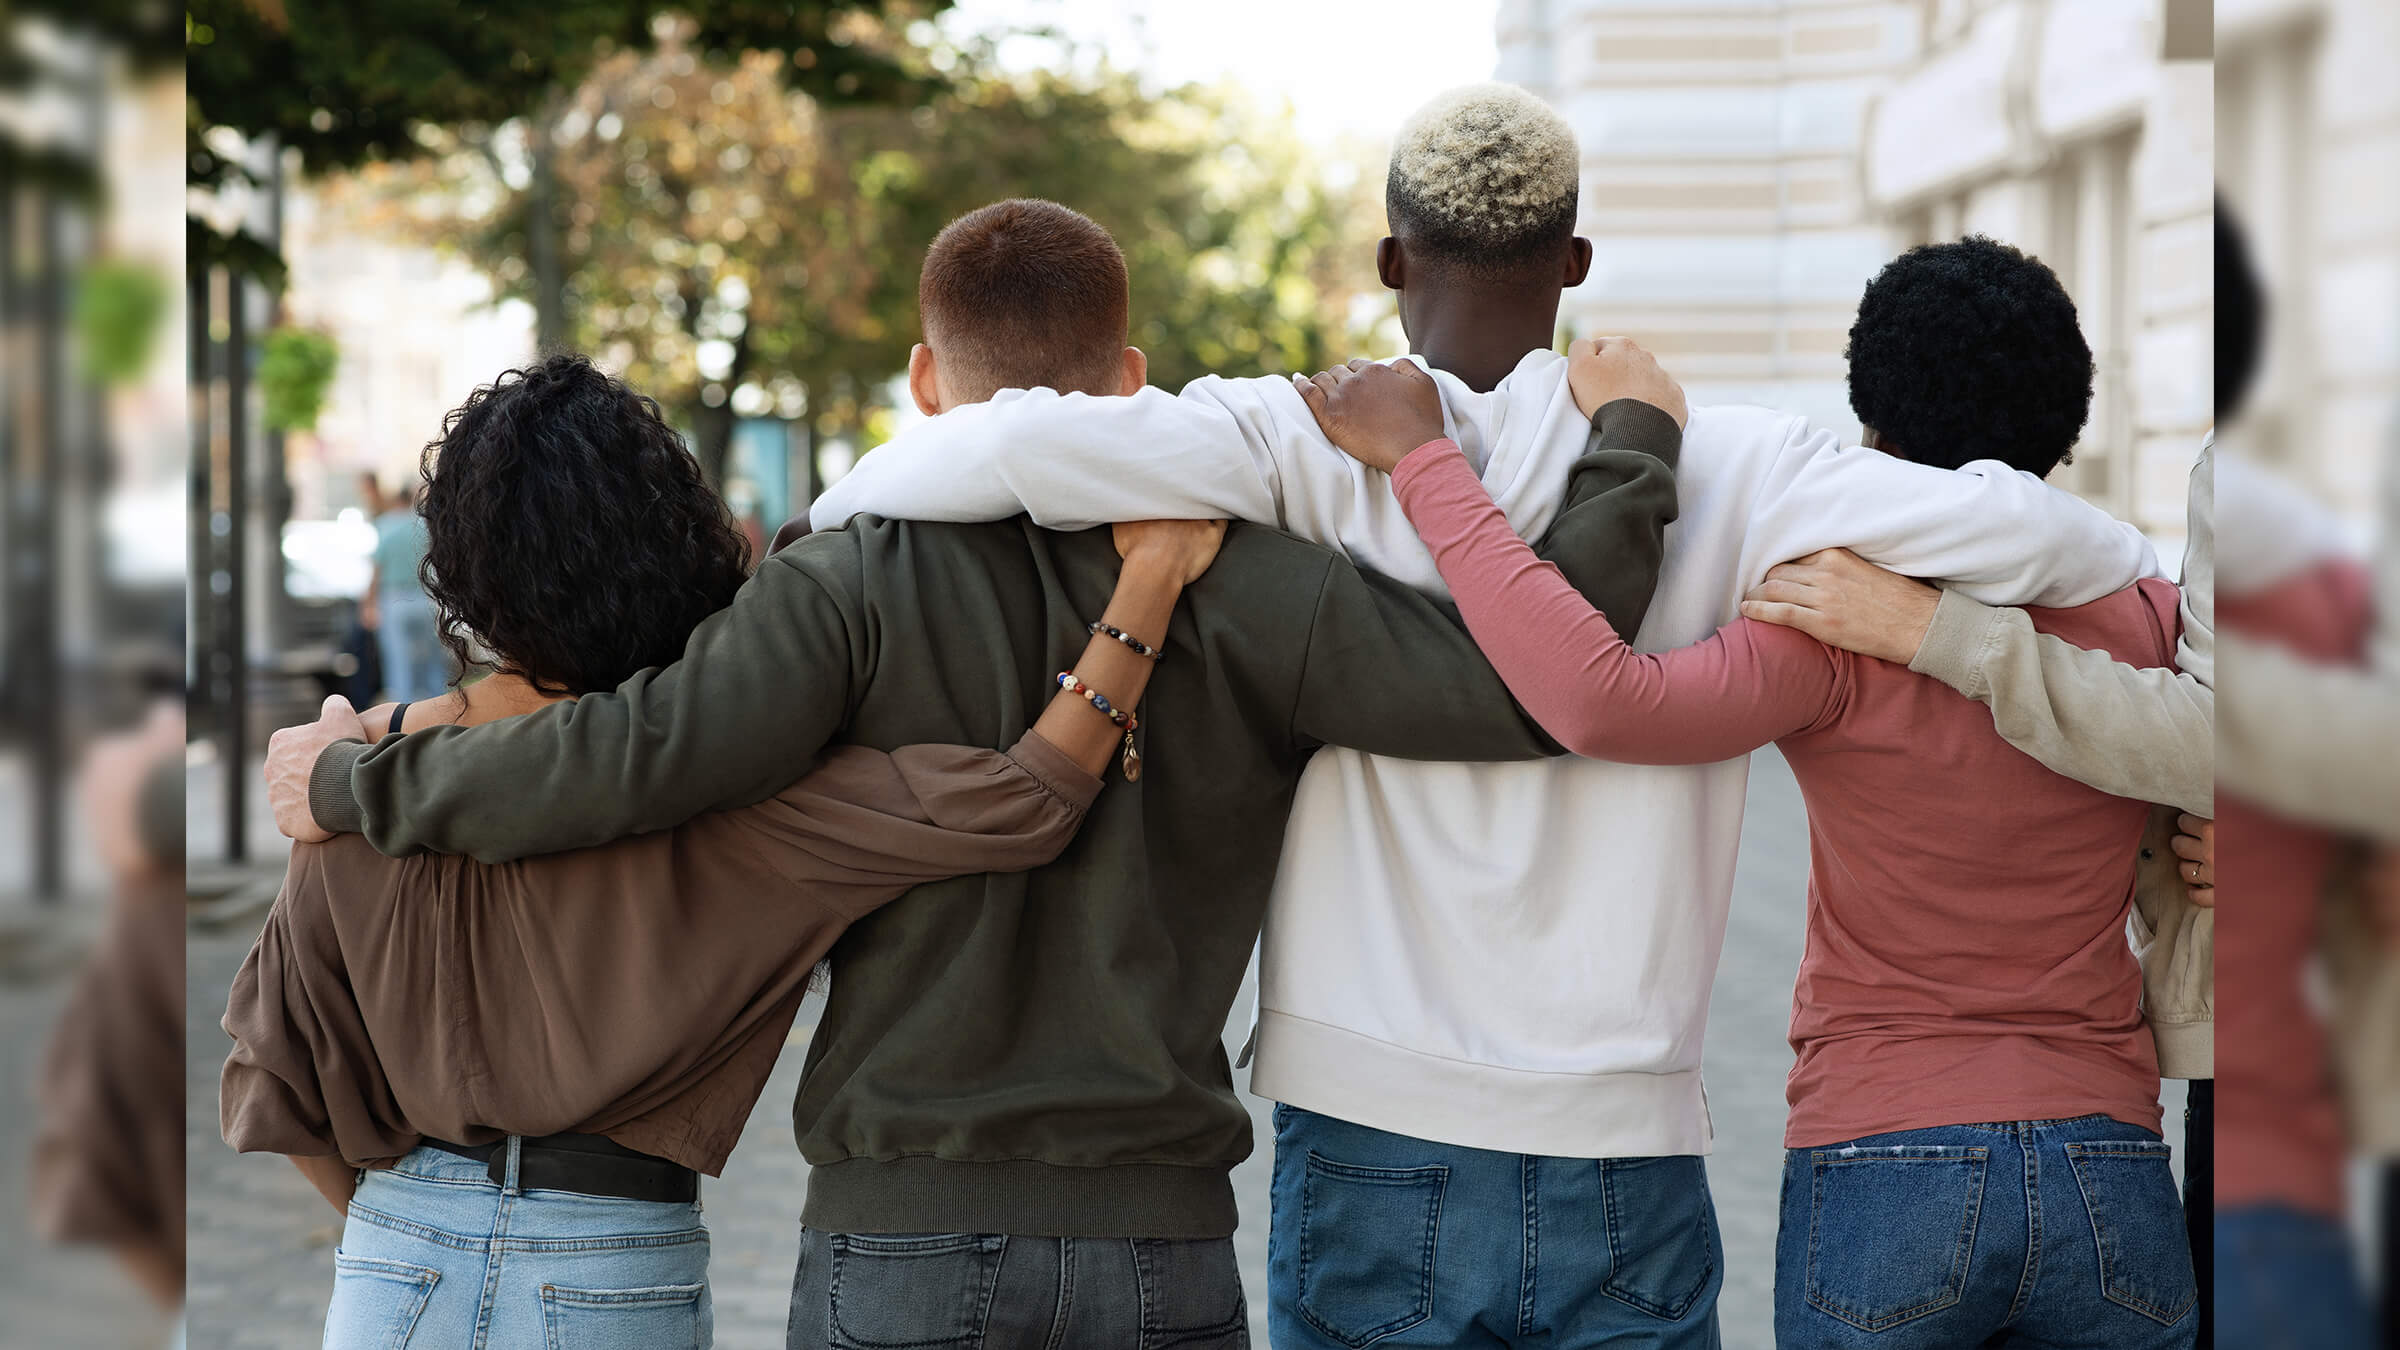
[345, 83]
[727, 235]
[118, 308]
[295, 370]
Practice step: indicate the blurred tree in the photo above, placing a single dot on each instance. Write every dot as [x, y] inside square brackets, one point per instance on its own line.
[733, 247]
[344, 84]
[118, 310]
[295, 369]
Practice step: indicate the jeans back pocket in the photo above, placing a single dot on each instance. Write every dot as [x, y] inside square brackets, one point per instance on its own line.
[1891, 1230]
[1191, 1294]
[914, 1292]
[667, 1317]
[2137, 1221]
[376, 1302]
[1366, 1248]
[1662, 1233]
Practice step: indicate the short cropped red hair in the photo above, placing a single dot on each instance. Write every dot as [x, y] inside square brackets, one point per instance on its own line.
[1025, 294]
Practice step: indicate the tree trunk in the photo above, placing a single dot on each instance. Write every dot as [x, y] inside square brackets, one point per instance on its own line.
[712, 439]
[542, 253]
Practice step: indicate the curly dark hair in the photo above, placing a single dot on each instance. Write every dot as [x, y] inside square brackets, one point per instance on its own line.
[570, 530]
[1967, 351]
[2241, 315]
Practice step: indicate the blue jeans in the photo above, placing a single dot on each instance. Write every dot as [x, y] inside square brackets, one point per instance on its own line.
[436, 1257]
[2060, 1233]
[990, 1291]
[2288, 1281]
[1383, 1240]
[408, 637]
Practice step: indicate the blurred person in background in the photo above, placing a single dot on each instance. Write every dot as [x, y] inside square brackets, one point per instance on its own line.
[1966, 907]
[406, 626]
[108, 1162]
[532, 1061]
[359, 641]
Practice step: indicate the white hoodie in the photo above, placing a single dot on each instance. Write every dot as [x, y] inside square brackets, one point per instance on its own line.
[1504, 956]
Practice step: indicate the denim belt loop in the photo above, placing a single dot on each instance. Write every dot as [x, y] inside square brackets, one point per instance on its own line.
[516, 1153]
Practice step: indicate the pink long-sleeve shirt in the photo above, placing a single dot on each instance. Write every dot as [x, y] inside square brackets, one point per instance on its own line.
[1966, 958]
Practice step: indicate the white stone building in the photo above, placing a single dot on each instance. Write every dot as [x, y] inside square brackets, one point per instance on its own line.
[2308, 151]
[1749, 164]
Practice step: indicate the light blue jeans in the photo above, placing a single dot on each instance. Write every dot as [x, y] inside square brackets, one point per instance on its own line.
[437, 1257]
[408, 635]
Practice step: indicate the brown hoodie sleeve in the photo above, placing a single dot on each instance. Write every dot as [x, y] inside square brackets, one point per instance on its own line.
[865, 826]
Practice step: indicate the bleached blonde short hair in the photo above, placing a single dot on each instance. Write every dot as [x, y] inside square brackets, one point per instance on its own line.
[1485, 173]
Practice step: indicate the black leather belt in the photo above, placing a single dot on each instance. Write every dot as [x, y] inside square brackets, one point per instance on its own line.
[587, 1164]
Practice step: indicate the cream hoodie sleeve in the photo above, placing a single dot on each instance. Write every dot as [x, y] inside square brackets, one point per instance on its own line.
[2145, 734]
[2313, 741]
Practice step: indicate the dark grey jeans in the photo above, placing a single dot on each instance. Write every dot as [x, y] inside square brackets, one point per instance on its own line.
[968, 1291]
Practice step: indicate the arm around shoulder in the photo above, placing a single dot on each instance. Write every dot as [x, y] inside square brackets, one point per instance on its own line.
[761, 687]
[2148, 734]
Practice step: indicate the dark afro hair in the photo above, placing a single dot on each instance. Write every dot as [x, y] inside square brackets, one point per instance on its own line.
[1968, 351]
[2241, 315]
[570, 531]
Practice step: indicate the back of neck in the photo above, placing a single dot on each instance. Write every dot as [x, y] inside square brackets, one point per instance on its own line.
[1482, 343]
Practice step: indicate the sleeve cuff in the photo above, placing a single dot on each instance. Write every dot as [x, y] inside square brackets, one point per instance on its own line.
[1635, 425]
[1423, 460]
[1054, 769]
[332, 798]
[1955, 643]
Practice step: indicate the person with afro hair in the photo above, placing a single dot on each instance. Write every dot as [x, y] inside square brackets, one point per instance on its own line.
[1967, 351]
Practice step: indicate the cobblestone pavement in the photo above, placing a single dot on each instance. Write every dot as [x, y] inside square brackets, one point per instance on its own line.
[262, 1241]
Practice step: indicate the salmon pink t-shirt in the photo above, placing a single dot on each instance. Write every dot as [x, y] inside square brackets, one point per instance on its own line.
[1967, 959]
[2279, 1117]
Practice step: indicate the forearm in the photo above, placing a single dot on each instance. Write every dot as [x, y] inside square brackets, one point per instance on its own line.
[1071, 462]
[1144, 600]
[2002, 536]
[1559, 656]
[2300, 738]
[2147, 734]
[334, 1179]
[1610, 539]
[761, 687]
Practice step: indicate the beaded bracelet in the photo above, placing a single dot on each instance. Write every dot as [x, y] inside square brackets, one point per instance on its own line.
[1139, 646]
[1124, 721]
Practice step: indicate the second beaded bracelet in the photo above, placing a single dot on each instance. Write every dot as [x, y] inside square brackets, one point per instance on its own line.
[1124, 720]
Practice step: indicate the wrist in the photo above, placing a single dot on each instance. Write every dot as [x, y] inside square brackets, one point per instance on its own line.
[332, 799]
[1145, 597]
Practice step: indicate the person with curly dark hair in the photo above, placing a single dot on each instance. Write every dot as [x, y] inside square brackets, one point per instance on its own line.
[1975, 1085]
[1968, 351]
[510, 1076]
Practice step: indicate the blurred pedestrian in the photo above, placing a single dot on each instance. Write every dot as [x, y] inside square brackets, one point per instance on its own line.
[407, 633]
[108, 1154]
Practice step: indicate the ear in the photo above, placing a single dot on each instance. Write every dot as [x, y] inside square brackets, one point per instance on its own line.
[924, 387]
[1137, 372]
[1579, 260]
[1388, 269]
